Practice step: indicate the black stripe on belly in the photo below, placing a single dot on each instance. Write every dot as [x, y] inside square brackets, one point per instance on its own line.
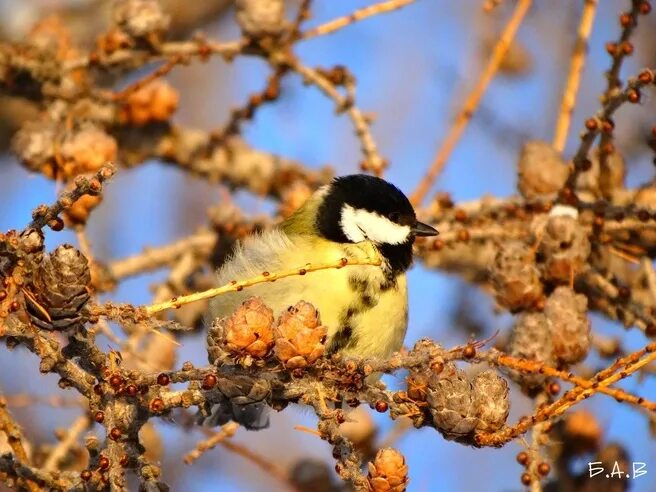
[367, 295]
[345, 336]
[342, 339]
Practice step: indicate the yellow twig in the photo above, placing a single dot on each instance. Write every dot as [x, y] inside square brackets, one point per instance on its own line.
[235, 285]
[358, 15]
[574, 77]
[471, 103]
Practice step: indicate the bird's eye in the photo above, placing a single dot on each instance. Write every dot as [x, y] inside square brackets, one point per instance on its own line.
[394, 216]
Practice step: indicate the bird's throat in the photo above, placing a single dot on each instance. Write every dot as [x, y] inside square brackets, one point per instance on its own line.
[398, 257]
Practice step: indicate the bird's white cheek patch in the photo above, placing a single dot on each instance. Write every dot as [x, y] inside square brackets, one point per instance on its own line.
[361, 225]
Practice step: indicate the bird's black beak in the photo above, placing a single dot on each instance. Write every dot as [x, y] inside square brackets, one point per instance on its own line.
[421, 229]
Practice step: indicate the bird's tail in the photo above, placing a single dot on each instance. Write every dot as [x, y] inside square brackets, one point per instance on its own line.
[241, 399]
[252, 417]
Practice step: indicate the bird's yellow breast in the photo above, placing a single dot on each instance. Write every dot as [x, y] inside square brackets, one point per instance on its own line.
[364, 309]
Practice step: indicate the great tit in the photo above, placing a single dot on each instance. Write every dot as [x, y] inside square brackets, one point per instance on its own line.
[365, 308]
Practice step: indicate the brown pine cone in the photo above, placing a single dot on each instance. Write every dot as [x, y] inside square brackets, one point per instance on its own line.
[542, 171]
[300, 340]
[33, 143]
[113, 40]
[156, 101]
[452, 405]
[388, 472]
[258, 18]
[566, 313]
[247, 333]
[491, 402]
[86, 150]
[141, 18]
[530, 338]
[564, 247]
[83, 150]
[31, 241]
[581, 433]
[60, 288]
[515, 278]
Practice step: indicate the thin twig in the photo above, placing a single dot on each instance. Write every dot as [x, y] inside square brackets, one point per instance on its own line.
[44, 215]
[373, 160]
[538, 435]
[13, 432]
[471, 103]
[59, 452]
[130, 57]
[22, 400]
[15, 439]
[152, 258]
[226, 432]
[628, 364]
[610, 106]
[574, 76]
[235, 285]
[358, 15]
[613, 86]
[37, 479]
[142, 82]
[536, 367]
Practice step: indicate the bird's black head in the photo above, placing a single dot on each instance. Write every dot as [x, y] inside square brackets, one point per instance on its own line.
[359, 208]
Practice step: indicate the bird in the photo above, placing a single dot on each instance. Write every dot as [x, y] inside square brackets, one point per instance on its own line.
[364, 307]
